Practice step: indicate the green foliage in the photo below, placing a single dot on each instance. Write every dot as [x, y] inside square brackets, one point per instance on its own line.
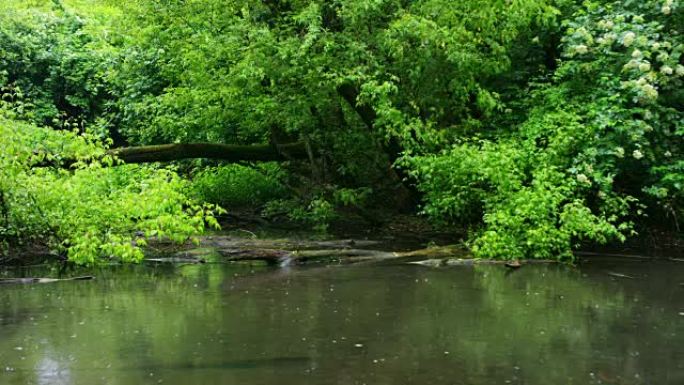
[605, 130]
[540, 124]
[92, 211]
[316, 212]
[250, 71]
[263, 68]
[237, 186]
[319, 209]
[53, 66]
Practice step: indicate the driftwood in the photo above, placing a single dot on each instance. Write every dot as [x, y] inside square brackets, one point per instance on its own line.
[285, 257]
[43, 280]
[283, 252]
[286, 252]
[474, 261]
[175, 260]
[619, 275]
[436, 252]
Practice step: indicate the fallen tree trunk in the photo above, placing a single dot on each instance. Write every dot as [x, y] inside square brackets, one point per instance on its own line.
[180, 151]
[285, 252]
[284, 257]
[226, 152]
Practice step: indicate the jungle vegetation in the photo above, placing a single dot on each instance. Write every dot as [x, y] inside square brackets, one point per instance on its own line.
[538, 125]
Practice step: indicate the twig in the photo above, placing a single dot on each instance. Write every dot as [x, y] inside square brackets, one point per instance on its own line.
[620, 275]
[254, 236]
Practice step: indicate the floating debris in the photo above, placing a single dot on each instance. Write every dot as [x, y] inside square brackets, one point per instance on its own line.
[620, 275]
[43, 280]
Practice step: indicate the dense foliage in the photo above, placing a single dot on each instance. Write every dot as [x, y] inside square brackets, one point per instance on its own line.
[237, 186]
[538, 124]
[92, 210]
[602, 141]
[53, 66]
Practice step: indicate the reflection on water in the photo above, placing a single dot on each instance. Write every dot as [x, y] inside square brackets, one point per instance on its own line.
[50, 372]
[218, 324]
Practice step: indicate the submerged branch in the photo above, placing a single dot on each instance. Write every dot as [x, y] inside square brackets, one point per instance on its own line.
[43, 280]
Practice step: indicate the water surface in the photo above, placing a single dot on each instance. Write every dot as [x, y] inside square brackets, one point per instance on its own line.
[402, 324]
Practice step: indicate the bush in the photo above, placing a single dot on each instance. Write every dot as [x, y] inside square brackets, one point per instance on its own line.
[235, 185]
[54, 66]
[91, 212]
[602, 140]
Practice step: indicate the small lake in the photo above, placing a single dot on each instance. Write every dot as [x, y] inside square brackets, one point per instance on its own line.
[604, 322]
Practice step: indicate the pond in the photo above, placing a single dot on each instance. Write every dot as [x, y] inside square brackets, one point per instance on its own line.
[605, 322]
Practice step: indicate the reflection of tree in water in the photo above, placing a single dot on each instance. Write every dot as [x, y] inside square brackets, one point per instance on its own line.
[577, 329]
[127, 318]
[205, 324]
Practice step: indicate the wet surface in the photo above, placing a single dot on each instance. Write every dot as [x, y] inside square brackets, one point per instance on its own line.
[605, 322]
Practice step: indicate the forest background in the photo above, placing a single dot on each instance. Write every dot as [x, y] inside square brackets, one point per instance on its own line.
[537, 125]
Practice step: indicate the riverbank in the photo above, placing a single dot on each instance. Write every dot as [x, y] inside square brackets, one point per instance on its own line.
[247, 237]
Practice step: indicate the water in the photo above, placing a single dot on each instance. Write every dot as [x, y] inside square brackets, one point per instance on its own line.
[401, 324]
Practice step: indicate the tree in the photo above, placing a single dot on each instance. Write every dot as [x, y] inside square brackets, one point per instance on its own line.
[600, 149]
[538, 124]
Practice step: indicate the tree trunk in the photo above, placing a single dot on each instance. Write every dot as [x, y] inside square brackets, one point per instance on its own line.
[179, 151]
[407, 195]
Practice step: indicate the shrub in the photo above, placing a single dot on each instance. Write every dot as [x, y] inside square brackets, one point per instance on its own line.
[235, 185]
[91, 212]
[602, 140]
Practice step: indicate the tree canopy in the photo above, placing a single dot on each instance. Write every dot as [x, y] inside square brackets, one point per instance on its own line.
[539, 125]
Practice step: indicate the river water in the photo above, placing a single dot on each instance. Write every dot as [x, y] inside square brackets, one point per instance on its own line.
[604, 322]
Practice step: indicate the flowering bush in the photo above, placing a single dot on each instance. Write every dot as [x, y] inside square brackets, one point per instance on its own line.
[601, 146]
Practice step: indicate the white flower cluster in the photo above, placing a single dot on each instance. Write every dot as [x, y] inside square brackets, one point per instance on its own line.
[631, 64]
[628, 38]
[608, 38]
[606, 24]
[647, 91]
[643, 66]
[666, 9]
[638, 62]
[581, 49]
[583, 33]
[583, 179]
[679, 70]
